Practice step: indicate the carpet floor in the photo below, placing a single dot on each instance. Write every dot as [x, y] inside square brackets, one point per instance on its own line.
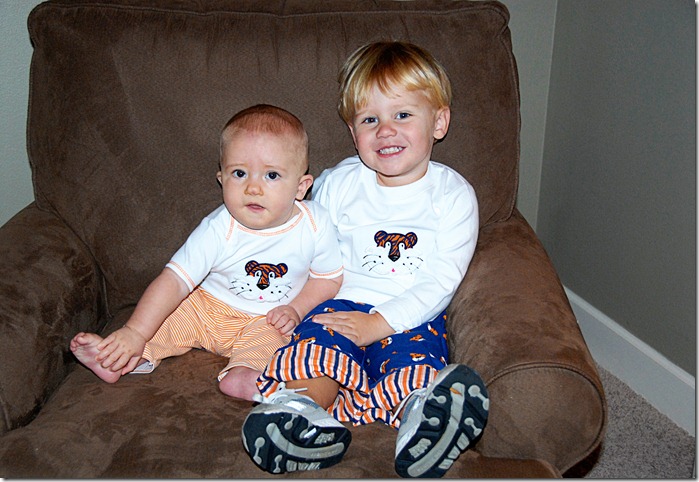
[640, 442]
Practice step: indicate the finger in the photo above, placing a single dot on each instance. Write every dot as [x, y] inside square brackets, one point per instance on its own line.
[106, 341]
[123, 359]
[288, 328]
[110, 360]
[105, 352]
[272, 317]
[326, 319]
[120, 363]
[340, 324]
[106, 363]
[131, 366]
[278, 322]
[343, 330]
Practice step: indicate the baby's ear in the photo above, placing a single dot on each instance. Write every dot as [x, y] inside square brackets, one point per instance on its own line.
[305, 184]
[218, 176]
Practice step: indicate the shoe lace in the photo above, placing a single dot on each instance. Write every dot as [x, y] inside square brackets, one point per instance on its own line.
[281, 391]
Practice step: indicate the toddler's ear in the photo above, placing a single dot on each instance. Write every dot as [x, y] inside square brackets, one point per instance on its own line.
[218, 176]
[441, 123]
[354, 138]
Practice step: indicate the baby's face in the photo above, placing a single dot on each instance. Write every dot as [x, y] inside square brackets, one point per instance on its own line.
[394, 133]
[261, 176]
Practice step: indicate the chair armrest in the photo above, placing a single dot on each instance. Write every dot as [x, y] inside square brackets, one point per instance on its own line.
[49, 290]
[512, 322]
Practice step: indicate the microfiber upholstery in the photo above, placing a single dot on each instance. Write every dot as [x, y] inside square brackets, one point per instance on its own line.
[127, 99]
[129, 102]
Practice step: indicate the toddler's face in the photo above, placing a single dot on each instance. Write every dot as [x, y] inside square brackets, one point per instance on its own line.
[394, 134]
[261, 176]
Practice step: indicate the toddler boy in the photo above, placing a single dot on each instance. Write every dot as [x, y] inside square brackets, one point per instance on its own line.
[408, 228]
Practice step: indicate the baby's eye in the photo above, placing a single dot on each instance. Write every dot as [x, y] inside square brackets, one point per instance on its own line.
[273, 176]
[239, 173]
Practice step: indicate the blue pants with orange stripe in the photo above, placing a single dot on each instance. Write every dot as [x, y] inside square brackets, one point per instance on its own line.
[373, 379]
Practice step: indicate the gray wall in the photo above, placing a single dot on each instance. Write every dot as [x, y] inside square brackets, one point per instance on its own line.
[617, 208]
[532, 26]
[607, 173]
[15, 53]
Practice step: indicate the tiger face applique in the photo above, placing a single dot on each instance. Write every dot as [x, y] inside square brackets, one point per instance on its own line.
[392, 254]
[262, 282]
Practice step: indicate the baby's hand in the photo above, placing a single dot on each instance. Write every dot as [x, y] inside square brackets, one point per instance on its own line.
[284, 318]
[119, 348]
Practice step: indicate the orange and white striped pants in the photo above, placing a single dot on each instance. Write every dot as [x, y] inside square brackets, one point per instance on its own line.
[204, 322]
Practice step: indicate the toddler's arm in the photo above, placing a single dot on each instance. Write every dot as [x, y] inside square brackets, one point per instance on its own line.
[159, 300]
[442, 272]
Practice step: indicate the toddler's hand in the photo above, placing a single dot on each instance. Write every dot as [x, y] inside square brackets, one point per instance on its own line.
[284, 318]
[362, 328]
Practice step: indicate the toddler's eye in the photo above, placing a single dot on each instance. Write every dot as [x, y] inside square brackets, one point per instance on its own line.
[402, 115]
[239, 173]
[273, 175]
[369, 120]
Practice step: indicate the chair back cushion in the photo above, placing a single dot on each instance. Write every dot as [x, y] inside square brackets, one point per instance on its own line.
[128, 97]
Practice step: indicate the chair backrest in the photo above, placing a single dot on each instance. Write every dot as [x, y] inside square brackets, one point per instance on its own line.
[128, 97]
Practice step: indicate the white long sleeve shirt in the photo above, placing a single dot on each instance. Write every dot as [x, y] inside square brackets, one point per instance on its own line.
[405, 249]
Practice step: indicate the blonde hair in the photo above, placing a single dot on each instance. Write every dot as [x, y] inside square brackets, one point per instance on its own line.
[387, 64]
[269, 119]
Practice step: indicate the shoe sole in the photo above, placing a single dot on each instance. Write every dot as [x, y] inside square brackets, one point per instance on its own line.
[283, 442]
[453, 418]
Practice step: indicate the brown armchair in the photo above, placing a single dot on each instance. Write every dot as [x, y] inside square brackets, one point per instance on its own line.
[127, 98]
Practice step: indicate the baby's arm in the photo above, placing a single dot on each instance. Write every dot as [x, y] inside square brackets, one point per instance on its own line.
[316, 290]
[159, 300]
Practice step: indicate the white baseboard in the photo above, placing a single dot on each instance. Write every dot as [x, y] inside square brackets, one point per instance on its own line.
[671, 390]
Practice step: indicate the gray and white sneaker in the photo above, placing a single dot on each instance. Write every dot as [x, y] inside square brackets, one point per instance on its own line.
[440, 422]
[289, 432]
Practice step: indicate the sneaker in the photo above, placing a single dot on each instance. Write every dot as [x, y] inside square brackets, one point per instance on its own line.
[440, 422]
[288, 432]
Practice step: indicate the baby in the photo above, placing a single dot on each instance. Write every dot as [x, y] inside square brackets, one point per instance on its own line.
[246, 275]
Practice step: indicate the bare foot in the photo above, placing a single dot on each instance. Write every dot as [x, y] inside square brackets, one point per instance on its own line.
[84, 347]
[239, 382]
